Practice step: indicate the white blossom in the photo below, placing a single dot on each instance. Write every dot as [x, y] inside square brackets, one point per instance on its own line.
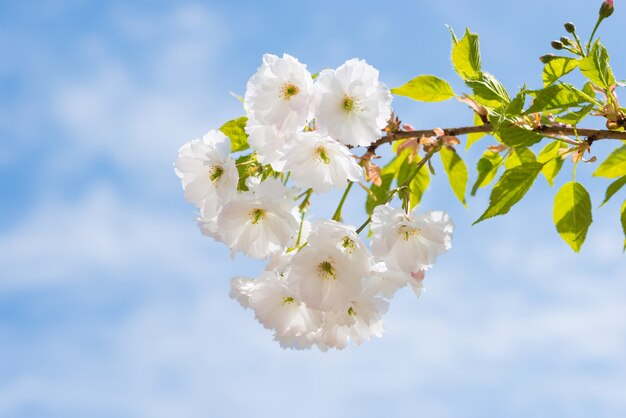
[259, 222]
[351, 104]
[278, 307]
[320, 163]
[410, 242]
[360, 321]
[241, 288]
[279, 93]
[269, 143]
[328, 272]
[207, 171]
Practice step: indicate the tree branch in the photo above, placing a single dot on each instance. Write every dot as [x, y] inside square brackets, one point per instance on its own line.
[591, 134]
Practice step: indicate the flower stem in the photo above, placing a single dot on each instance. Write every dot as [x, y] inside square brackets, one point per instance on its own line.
[419, 165]
[392, 193]
[600, 19]
[300, 229]
[337, 214]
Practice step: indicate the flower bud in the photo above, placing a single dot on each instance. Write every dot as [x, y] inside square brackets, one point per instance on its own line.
[547, 58]
[557, 45]
[569, 27]
[566, 41]
[606, 9]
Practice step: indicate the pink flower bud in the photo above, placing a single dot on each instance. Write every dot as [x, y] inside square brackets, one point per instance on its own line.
[606, 9]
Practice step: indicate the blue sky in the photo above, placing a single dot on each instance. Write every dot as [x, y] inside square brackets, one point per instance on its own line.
[113, 305]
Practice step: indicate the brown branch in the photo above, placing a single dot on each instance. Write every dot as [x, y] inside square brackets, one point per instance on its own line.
[591, 134]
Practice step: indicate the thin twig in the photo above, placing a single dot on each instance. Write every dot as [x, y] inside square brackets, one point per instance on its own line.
[487, 128]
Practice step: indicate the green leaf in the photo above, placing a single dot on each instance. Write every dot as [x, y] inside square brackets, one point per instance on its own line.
[558, 97]
[488, 91]
[551, 160]
[510, 189]
[595, 67]
[614, 165]
[247, 165]
[457, 172]
[235, 130]
[455, 40]
[572, 214]
[487, 168]
[557, 68]
[473, 137]
[516, 106]
[614, 188]
[519, 156]
[466, 56]
[425, 88]
[517, 136]
[574, 118]
[623, 219]
[589, 90]
[378, 194]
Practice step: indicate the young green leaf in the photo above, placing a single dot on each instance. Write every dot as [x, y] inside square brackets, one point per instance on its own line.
[510, 189]
[378, 194]
[466, 56]
[517, 136]
[551, 159]
[235, 130]
[519, 156]
[420, 182]
[473, 137]
[574, 118]
[516, 106]
[614, 165]
[425, 88]
[558, 97]
[572, 214]
[488, 91]
[247, 165]
[595, 67]
[614, 188]
[457, 172]
[557, 68]
[487, 168]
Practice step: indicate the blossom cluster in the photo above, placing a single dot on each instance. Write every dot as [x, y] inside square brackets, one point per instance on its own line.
[322, 284]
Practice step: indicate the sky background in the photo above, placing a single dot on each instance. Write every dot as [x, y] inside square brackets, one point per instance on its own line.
[113, 305]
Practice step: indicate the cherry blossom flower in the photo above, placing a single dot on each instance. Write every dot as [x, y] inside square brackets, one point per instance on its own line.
[320, 163]
[279, 94]
[351, 104]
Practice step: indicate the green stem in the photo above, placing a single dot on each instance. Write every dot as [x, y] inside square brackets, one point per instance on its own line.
[419, 165]
[287, 178]
[582, 51]
[300, 229]
[600, 19]
[392, 193]
[306, 192]
[337, 214]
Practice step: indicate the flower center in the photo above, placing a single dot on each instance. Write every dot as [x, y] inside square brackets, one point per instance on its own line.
[288, 90]
[216, 172]
[257, 215]
[348, 104]
[351, 311]
[288, 300]
[406, 232]
[348, 244]
[322, 155]
[327, 271]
